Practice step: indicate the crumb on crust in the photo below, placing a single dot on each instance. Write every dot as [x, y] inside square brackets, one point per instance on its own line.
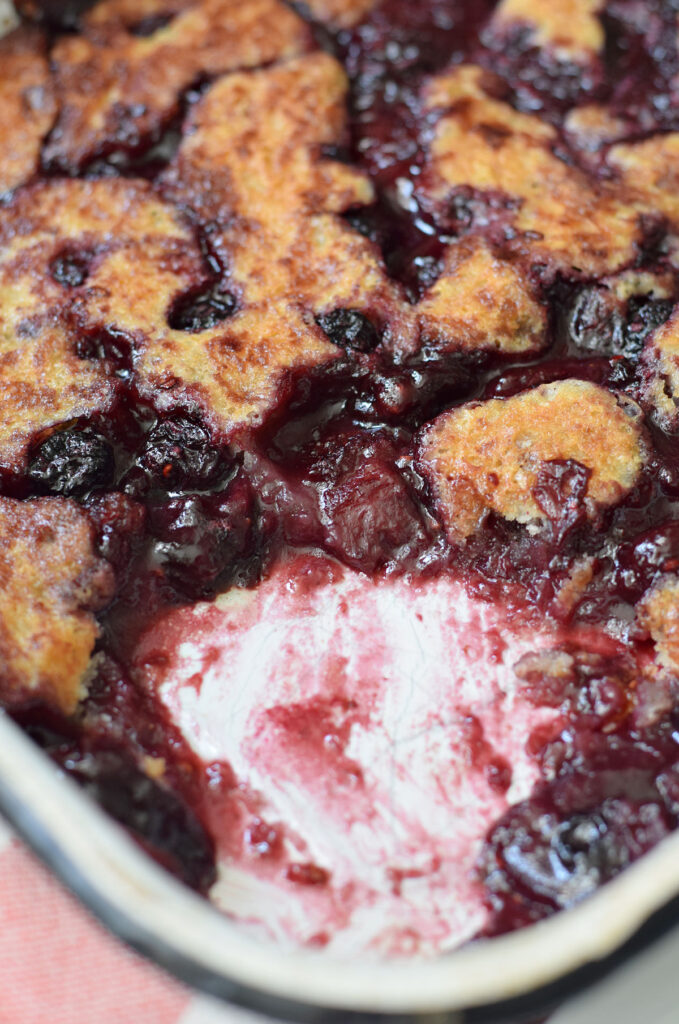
[118, 88]
[571, 28]
[27, 104]
[560, 214]
[480, 302]
[52, 581]
[485, 457]
[658, 612]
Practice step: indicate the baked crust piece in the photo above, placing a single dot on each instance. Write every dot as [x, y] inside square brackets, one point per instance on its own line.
[252, 165]
[27, 104]
[487, 456]
[45, 381]
[592, 126]
[52, 581]
[560, 214]
[570, 27]
[140, 258]
[662, 358]
[480, 302]
[650, 170]
[339, 13]
[658, 612]
[117, 88]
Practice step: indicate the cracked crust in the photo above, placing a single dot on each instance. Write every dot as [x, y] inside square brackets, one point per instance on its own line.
[570, 27]
[559, 213]
[480, 302]
[486, 457]
[27, 104]
[117, 88]
[52, 581]
[658, 613]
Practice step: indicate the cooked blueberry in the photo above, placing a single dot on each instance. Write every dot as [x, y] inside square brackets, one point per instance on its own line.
[70, 268]
[349, 328]
[601, 323]
[201, 309]
[178, 455]
[72, 462]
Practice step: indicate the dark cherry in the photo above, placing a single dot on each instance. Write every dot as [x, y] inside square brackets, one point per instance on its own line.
[560, 493]
[72, 462]
[538, 859]
[119, 524]
[202, 308]
[371, 520]
[639, 561]
[103, 750]
[154, 814]
[202, 542]
[598, 323]
[178, 455]
[349, 328]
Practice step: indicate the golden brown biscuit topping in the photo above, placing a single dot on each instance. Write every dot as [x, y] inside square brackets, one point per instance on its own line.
[134, 81]
[560, 214]
[662, 385]
[27, 103]
[52, 582]
[478, 302]
[340, 13]
[253, 161]
[659, 614]
[649, 169]
[487, 456]
[47, 234]
[570, 27]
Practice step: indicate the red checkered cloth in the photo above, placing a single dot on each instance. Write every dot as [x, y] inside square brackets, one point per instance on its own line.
[60, 966]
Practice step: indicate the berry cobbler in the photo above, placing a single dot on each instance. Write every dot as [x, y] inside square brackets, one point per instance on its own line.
[339, 447]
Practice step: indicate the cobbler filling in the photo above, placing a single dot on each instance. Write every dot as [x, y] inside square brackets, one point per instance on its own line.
[391, 442]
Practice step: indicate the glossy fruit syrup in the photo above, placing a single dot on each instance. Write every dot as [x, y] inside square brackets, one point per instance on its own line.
[182, 516]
